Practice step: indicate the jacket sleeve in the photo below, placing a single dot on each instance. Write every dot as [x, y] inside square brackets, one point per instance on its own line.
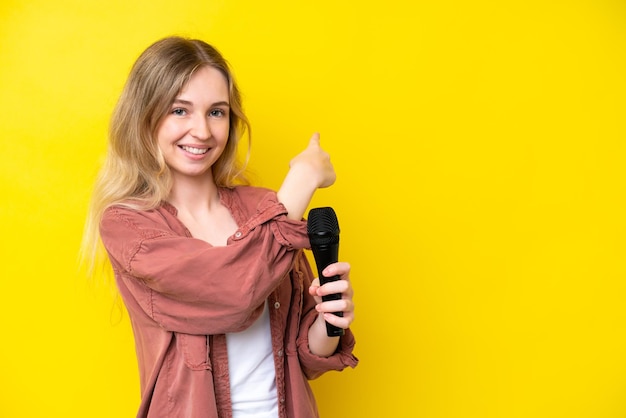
[313, 365]
[187, 285]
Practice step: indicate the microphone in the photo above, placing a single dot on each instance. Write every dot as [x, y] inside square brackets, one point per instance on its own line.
[323, 231]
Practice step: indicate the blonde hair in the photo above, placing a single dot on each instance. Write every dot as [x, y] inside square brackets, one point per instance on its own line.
[134, 173]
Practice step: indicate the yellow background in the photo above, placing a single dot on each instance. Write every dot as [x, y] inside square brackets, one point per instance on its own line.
[480, 154]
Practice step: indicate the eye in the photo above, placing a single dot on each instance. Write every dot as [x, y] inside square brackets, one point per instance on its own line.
[179, 111]
[217, 113]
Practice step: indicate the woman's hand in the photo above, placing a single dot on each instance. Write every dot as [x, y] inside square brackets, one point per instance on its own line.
[319, 342]
[315, 164]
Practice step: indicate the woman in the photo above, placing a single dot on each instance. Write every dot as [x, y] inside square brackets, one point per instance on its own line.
[227, 318]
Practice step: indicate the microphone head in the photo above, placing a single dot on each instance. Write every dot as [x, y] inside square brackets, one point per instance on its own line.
[322, 226]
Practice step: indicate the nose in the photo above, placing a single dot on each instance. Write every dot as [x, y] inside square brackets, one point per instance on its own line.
[200, 127]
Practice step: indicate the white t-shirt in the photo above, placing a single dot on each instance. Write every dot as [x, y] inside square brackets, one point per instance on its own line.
[251, 369]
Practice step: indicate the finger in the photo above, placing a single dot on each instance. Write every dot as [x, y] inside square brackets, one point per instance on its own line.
[313, 289]
[337, 269]
[339, 321]
[337, 286]
[343, 305]
[315, 140]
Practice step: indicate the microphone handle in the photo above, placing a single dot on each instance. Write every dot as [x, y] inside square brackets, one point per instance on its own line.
[324, 256]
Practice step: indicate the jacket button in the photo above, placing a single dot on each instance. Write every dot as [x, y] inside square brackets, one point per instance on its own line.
[280, 353]
[237, 234]
[277, 305]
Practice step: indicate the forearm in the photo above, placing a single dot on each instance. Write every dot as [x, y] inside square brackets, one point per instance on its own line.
[320, 343]
[296, 192]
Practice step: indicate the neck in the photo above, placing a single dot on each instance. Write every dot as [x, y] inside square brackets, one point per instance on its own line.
[194, 195]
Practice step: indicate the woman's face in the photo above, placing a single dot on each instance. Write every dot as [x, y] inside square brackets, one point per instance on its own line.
[194, 133]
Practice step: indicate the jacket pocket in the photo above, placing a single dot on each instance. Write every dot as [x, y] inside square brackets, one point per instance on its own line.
[195, 350]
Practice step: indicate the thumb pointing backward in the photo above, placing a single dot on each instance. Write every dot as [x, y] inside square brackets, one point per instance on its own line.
[315, 140]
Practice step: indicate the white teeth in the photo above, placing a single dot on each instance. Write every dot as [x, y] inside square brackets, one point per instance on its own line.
[196, 151]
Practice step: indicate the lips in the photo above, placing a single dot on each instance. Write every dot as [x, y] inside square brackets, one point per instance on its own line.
[194, 150]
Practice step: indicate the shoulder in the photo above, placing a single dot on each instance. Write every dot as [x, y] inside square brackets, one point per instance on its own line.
[250, 193]
[245, 202]
[246, 197]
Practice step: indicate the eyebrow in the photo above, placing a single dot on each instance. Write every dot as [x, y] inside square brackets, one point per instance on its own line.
[188, 103]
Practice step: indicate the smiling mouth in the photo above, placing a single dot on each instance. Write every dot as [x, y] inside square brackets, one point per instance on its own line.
[196, 151]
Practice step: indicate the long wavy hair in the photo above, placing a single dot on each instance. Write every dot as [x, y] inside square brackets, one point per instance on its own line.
[134, 172]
